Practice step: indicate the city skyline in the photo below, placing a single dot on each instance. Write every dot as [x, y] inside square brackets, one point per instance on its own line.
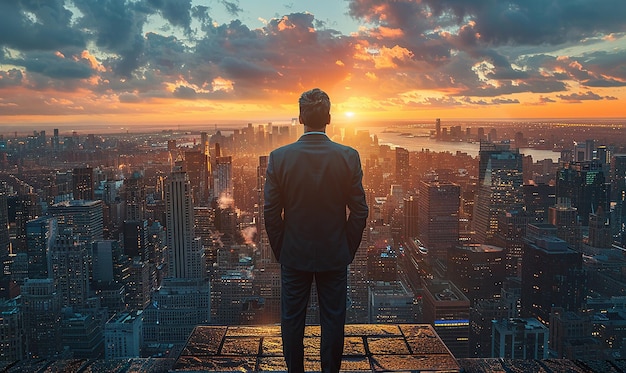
[132, 63]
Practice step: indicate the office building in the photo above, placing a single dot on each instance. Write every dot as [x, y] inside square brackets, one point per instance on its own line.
[618, 195]
[186, 257]
[134, 192]
[565, 218]
[447, 309]
[524, 339]
[69, 268]
[510, 236]
[175, 310]
[500, 188]
[223, 180]
[85, 218]
[40, 236]
[391, 303]
[135, 239]
[123, 336]
[41, 305]
[403, 170]
[552, 274]
[586, 185]
[12, 336]
[197, 166]
[571, 336]
[83, 183]
[438, 218]
[482, 314]
[81, 334]
[382, 263]
[104, 257]
[478, 270]
[410, 218]
[538, 198]
[138, 285]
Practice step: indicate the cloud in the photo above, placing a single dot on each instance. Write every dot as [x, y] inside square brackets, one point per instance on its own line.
[455, 53]
[185, 92]
[11, 78]
[54, 65]
[177, 12]
[232, 7]
[27, 26]
[577, 97]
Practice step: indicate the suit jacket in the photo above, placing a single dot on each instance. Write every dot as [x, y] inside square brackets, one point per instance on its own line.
[309, 184]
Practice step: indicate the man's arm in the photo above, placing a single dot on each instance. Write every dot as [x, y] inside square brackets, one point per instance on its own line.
[358, 208]
[273, 208]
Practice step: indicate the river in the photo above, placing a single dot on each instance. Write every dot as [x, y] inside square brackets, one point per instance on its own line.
[421, 141]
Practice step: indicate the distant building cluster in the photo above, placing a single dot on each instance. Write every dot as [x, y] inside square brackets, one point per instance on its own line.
[118, 246]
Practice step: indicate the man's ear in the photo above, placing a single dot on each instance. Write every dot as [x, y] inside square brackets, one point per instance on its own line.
[300, 119]
[328, 122]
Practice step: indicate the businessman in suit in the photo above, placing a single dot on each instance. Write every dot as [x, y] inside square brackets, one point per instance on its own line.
[309, 184]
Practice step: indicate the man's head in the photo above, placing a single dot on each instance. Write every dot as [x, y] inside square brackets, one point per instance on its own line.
[314, 109]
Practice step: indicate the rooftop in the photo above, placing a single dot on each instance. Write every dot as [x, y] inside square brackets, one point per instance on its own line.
[368, 348]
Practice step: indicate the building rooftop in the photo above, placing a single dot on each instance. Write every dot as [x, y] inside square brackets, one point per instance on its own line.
[368, 348]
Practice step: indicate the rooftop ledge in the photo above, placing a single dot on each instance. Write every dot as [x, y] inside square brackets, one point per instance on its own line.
[368, 348]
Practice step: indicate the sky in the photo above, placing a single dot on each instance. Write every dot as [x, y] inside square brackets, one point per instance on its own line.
[177, 62]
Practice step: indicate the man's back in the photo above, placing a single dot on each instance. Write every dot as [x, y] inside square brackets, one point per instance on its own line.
[316, 179]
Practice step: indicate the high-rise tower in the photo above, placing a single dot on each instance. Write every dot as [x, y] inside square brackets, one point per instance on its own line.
[438, 218]
[500, 188]
[185, 250]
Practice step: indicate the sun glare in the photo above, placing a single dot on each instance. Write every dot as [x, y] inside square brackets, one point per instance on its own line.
[349, 114]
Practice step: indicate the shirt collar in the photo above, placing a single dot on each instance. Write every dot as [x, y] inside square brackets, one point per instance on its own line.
[315, 133]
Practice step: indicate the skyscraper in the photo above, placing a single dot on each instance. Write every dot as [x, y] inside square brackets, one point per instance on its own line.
[69, 267]
[500, 188]
[85, 218]
[403, 171]
[41, 305]
[438, 218]
[585, 184]
[135, 197]
[551, 274]
[197, 166]
[82, 183]
[40, 236]
[223, 183]
[618, 195]
[185, 251]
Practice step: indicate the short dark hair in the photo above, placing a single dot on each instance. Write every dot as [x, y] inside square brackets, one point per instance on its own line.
[314, 108]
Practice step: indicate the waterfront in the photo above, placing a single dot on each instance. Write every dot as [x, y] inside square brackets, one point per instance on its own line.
[422, 141]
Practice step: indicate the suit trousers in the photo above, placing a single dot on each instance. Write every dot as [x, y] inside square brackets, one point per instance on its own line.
[332, 293]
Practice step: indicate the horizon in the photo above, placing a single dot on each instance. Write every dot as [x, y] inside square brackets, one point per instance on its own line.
[111, 128]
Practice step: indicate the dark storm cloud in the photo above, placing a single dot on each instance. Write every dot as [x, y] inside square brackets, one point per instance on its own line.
[116, 26]
[603, 83]
[53, 66]
[176, 12]
[448, 39]
[532, 22]
[11, 78]
[31, 25]
[165, 54]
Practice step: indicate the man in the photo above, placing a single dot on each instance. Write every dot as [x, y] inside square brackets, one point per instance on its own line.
[308, 186]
